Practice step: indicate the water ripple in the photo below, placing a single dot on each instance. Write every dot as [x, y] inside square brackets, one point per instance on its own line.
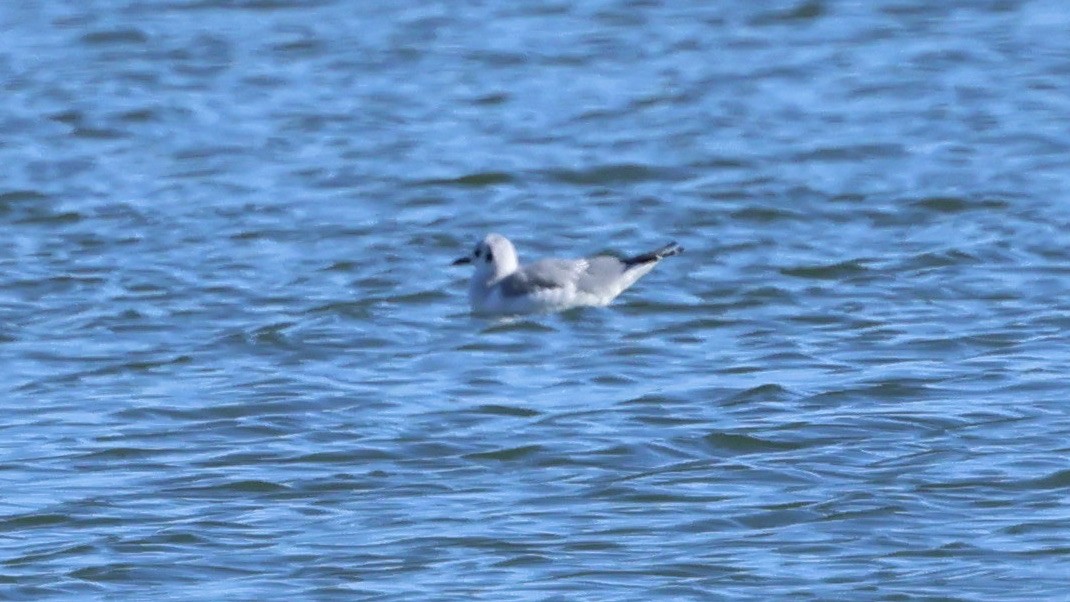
[234, 356]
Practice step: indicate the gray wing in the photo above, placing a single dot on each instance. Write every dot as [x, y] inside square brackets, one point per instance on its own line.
[596, 275]
[543, 275]
[603, 275]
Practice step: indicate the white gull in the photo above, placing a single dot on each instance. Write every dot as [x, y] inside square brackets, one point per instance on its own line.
[500, 285]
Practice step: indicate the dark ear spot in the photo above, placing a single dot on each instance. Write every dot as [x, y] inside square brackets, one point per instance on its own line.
[490, 256]
[476, 253]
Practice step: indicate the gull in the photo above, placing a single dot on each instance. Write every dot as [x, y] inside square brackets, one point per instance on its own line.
[500, 285]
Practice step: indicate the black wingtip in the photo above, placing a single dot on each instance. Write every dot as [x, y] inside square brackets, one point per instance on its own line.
[667, 251]
[670, 249]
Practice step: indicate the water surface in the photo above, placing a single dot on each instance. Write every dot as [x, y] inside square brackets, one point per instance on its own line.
[236, 366]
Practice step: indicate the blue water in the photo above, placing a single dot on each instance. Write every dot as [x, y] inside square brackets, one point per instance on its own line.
[236, 366]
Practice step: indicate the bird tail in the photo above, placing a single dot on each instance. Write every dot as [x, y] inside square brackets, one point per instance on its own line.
[667, 251]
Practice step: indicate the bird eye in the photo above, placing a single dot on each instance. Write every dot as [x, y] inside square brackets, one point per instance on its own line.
[490, 256]
[477, 252]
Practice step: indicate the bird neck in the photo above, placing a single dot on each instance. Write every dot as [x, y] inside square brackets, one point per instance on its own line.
[488, 278]
[505, 265]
